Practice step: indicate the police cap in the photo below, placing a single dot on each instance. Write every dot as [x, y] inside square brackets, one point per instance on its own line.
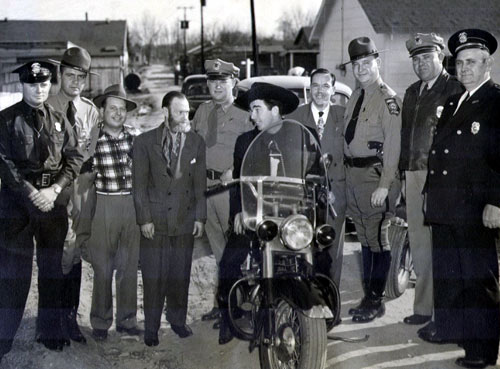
[421, 43]
[219, 69]
[35, 71]
[472, 38]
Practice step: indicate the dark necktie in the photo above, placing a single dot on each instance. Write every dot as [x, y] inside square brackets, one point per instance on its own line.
[171, 151]
[71, 113]
[351, 127]
[321, 125]
[37, 122]
[211, 137]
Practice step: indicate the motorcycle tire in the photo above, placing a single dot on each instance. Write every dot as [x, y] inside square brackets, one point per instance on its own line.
[300, 341]
[401, 263]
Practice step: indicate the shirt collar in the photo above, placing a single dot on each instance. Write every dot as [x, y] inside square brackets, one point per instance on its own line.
[315, 111]
[478, 87]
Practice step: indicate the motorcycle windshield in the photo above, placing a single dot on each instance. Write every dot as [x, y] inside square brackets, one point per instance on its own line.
[281, 173]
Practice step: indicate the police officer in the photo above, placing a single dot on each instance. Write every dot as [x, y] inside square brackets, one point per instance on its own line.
[463, 206]
[422, 105]
[372, 136]
[39, 157]
[84, 118]
[219, 122]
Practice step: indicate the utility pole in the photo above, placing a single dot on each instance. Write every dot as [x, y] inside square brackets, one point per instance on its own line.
[184, 26]
[254, 41]
[202, 4]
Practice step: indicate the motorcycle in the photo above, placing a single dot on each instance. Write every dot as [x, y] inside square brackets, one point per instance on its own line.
[287, 306]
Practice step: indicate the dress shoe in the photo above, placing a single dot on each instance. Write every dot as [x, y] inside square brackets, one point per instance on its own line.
[216, 324]
[375, 309]
[225, 334]
[432, 336]
[151, 339]
[416, 319]
[428, 327]
[73, 330]
[134, 331]
[357, 309]
[182, 331]
[211, 315]
[479, 363]
[52, 344]
[100, 334]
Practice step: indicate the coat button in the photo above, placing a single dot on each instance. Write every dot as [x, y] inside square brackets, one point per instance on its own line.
[432, 172]
[459, 132]
[446, 151]
[433, 152]
[445, 172]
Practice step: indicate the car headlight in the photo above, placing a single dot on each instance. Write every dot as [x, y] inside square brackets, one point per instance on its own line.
[297, 232]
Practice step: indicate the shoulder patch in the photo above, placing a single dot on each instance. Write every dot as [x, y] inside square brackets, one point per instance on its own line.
[393, 106]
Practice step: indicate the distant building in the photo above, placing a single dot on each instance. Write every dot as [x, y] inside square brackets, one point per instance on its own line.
[106, 41]
[390, 23]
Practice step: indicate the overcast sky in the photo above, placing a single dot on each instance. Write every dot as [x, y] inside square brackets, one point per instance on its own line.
[235, 13]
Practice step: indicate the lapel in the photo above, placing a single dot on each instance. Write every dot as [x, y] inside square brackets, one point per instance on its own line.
[464, 115]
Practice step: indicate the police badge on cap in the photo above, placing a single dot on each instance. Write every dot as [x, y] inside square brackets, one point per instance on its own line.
[472, 39]
[35, 71]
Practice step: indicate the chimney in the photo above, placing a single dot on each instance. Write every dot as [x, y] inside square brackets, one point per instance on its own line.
[86, 16]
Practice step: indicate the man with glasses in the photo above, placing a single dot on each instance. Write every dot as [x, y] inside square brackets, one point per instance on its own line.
[372, 136]
[219, 122]
[83, 117]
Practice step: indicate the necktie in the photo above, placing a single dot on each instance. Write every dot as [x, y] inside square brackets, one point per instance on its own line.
[321, 125]
[351, 127]
[37, 122]
[71, 113]
[461, 102]
[211, 137]
[173, 153]
[424, 89]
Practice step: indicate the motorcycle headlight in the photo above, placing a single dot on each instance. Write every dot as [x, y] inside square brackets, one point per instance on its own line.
[325, 235]
[296, 232]
[267, 230]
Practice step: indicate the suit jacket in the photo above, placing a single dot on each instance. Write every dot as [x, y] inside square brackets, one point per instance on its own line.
[464, 162]
[332, 142]
[171, 204]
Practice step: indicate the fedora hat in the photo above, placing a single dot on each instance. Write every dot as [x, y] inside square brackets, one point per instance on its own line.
[115, 91]
[76, 58]
[360, 48]
[268, 91]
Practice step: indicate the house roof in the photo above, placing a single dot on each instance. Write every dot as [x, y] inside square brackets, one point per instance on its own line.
[409, 16]
[100, 38]
[443, 16]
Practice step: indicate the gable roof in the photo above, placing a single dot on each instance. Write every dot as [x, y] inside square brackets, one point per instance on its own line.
[443, 16]
[98, 37]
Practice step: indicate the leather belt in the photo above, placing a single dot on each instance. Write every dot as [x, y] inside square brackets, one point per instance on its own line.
[42, 180]
[119, 193]
[213, 174]
[362, 162]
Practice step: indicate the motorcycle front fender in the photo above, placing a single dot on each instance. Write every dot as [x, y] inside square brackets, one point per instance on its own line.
[310, 295]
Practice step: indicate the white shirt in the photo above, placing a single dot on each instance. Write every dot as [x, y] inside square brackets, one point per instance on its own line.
[315, 112]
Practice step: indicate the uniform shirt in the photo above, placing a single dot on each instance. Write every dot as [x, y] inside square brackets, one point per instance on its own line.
[113, 162]
[25, 152]
[86, 118]
[379, 120]
[231, 123]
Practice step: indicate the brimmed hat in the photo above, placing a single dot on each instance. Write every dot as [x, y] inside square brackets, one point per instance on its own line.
[76, 58]
[219, 69]
[35, 71]
[472, 38]
[115, 91]
[421, 43]
[361, 47]
[268, 91]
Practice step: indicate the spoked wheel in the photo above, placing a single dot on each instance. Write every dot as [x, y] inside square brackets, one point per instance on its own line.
[401, 262]
[299, 343]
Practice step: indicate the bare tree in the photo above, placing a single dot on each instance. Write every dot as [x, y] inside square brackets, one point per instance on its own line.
[149, 32]
[293, 20]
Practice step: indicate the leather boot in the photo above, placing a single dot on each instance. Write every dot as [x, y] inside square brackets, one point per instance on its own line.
[225, 333]
[71, 301]
[72, 328]
[367, 260]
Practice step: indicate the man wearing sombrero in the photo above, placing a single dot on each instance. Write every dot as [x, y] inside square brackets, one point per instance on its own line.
[114, 240]
[372, 145]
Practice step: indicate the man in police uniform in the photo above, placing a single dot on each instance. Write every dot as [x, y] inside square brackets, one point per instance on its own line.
[372, 145]
[39, 157]
[422, 105]
[463, 206]
[84, 118]
[219, 122]
[328, 121]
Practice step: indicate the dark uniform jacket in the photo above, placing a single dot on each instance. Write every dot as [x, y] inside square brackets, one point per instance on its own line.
[171, 204]
[420, 117]
[24, 155]
[464, 161]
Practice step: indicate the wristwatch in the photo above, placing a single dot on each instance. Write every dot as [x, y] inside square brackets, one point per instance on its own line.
[57, 188]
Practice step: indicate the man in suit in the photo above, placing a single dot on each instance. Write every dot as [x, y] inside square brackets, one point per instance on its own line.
[328, 121]
[422, 104]
[463, 206]
[169, 181]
